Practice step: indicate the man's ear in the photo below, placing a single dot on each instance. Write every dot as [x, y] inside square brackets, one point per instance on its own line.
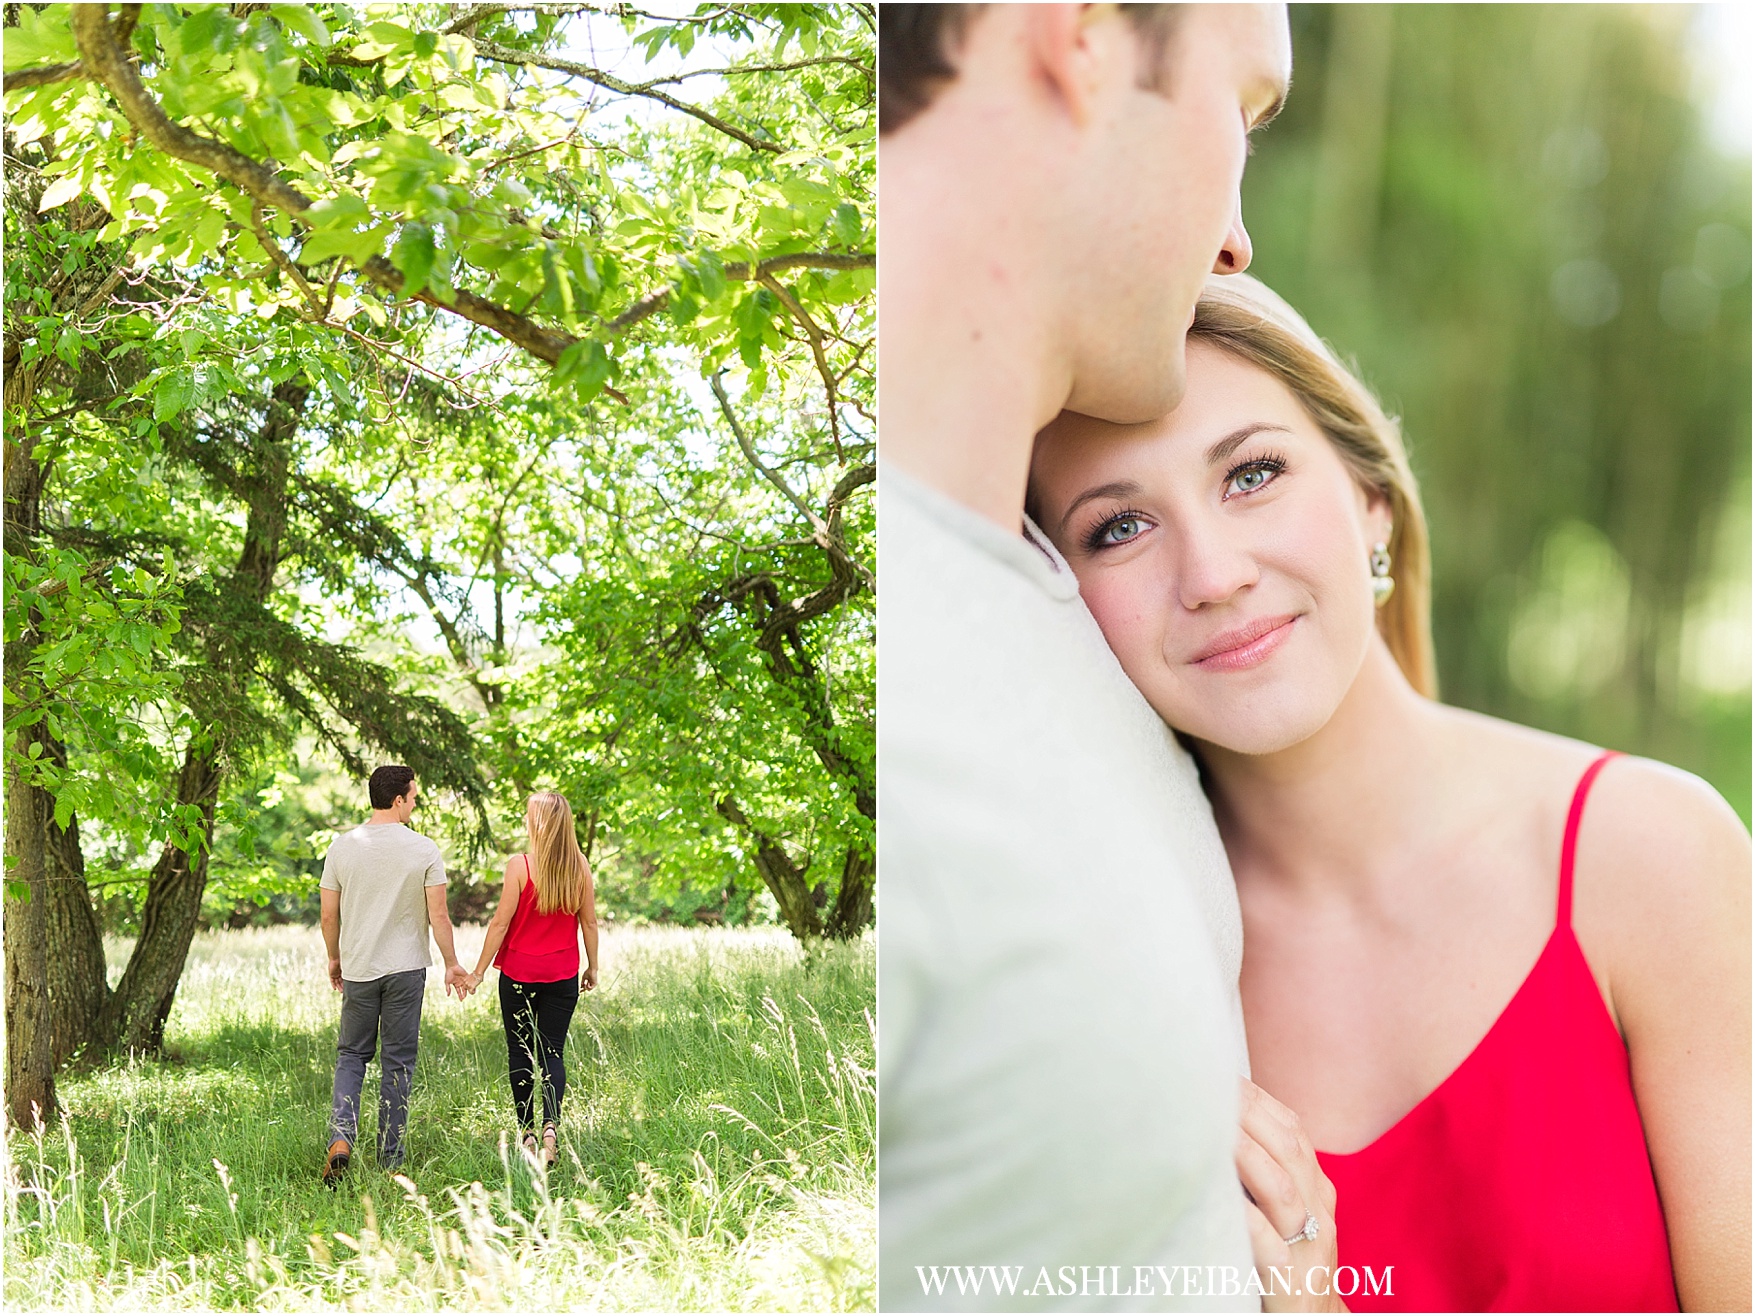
[1069, 47]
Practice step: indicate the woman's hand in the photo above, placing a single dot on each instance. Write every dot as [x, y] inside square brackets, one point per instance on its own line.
[588, 979]
[1278, 1166]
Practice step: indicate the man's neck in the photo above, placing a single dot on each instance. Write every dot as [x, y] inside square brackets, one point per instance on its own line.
[970, 367]
[382, 817]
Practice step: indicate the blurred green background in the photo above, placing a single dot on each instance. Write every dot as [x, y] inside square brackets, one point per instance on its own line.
[1529, 226]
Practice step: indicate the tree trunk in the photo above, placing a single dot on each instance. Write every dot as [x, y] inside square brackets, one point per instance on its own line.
[77, 975]
[784, 877]
[134, 1018]
[30, 1066]
[853, 912]
[30, 1069]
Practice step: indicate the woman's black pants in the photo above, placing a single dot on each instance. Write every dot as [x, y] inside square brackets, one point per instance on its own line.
[536, 1016]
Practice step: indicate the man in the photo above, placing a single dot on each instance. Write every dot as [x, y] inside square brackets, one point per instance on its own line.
[1059, 1028]
[383, 887]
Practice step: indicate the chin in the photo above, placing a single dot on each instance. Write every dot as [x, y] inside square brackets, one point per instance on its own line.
[1133, 397]
[1252, 730]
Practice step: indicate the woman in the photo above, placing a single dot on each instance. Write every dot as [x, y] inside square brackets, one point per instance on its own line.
[1568, 1136]
[546, 905]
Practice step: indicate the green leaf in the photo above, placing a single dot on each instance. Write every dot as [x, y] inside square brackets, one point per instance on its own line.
[172, 394]
[846, 227]
[209, 231]
[594, 369]
[414, 256]
[60, 192]
[300, 19]
[40, 38]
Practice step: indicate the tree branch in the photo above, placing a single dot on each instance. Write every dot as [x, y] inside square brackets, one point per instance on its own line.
[761, 68]
[476, 13]
[19, 79]
[108, 63]
[528, 59]
[815, 335]
[266, 240]
[742, 271]
[817, 524]
[105, 59]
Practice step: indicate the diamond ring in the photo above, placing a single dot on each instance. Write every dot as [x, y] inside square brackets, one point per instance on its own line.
[1310, 1230]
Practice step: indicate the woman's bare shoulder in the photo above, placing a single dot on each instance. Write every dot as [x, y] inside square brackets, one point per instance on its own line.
[1650, 834]
[1667, 849]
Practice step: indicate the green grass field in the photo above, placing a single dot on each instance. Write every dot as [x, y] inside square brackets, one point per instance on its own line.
[717, 1150]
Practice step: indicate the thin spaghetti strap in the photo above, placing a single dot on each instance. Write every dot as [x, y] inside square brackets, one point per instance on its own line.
[1569, 846]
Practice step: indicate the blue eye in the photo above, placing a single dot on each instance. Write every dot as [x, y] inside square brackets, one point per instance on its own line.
[1120, 530]
[1250, 476]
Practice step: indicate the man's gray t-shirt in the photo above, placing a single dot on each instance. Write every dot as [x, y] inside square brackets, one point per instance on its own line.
[1059, 1045]
[382, 871]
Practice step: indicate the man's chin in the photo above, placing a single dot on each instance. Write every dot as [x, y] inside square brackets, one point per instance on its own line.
[1131, 401]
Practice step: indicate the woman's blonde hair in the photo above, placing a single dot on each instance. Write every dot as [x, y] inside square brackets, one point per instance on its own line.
[1244, 317]
[557, 864]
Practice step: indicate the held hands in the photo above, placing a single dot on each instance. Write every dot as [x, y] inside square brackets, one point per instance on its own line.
[461, 981]
[1286, 1185]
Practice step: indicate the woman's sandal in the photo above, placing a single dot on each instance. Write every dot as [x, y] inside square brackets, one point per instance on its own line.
[550, 1148]
[529, 1145]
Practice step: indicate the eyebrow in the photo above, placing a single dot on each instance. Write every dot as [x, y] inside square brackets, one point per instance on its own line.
[1237, 437]
[1273, 111]
[1114, 489]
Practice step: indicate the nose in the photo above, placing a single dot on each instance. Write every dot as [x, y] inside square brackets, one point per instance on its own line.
[1212, 569]
[1235, 254]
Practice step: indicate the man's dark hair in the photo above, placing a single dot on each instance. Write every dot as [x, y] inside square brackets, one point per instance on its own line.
[389, 784]
[916, 43]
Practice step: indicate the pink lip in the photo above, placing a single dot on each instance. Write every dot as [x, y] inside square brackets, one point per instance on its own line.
[1245, 646]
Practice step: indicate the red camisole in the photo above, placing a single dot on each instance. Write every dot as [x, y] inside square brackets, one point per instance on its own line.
[539, 947]
[1522, 1182]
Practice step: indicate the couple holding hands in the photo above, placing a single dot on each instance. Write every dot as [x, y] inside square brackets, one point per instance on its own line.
[383, 889]
[1167, 795]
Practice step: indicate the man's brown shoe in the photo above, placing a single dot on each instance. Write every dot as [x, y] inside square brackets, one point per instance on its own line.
[336, 1164]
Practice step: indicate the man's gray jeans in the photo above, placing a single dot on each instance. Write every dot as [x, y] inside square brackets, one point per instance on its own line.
[385, 1010]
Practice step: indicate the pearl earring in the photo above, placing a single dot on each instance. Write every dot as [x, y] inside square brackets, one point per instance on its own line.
[1382, 583]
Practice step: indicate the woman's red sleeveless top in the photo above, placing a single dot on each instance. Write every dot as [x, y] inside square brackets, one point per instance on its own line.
[1522, 1182]
[539, 947]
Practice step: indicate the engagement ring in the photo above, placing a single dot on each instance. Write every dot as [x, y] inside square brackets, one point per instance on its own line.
[1309, 1231]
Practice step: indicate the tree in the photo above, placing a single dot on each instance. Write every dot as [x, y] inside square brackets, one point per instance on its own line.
[339, 257]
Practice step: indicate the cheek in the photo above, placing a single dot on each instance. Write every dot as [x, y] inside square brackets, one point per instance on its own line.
[1122, 602]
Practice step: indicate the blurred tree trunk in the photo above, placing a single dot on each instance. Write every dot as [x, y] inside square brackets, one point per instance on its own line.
[1355, 113]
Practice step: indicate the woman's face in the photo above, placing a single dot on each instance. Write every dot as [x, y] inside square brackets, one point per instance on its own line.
[1224, 552]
